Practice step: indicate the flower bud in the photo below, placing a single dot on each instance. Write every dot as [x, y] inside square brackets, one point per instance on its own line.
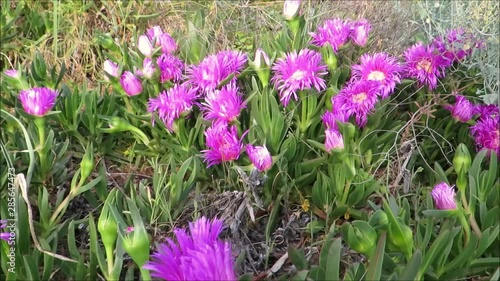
[148, 69]
[15, 79]
[87, 164]
[136, 244]
[261, 65]
[260, 157]
[444, 196]
[167, 43]
[108, 228]
[359, 32]
[462, 159]
[361, 237]
[401, 236]
[291, 9]
[333, 140]
[107, 42]
[329, 57]
[145, 46]
[131, 84]
[379, 220]
[110, 68]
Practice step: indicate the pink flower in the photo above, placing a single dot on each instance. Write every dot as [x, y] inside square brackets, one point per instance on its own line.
[145, 46]
[487, 111]
[172, 104]
[356, 99]
[131, 84]
[214, 69]
[380, 68]
[333, 140]
[225, 104]
[463, 110]
[198, 256]
[457, 46]
[300, 71]
[12, 73]
[359, 31]
[38, 101]
[424, 64]
[163, 39]
[260, 157]
[110, 68]
[334, 32]
[148, 68]
[444, 196]
[486, 134]
[223, 143]
[170, 68]
[291, 9]
[4, 235]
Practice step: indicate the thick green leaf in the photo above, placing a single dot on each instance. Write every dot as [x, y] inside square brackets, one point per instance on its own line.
[411, 269]
[438, 245]
[298, 258]
[374, 270]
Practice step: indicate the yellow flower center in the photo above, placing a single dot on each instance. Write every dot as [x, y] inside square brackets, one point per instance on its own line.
[425, 65]
[376, 76]
[359, 98]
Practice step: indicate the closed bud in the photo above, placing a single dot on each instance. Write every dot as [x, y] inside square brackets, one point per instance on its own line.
[108, 228]
[361, 237]
[462, 159]
[131, 84]
[329, 57]
[379, 220]
[291, 9]
[136, 244]
[401, 237]
[145, 46]
[107, 42]
[87, 164]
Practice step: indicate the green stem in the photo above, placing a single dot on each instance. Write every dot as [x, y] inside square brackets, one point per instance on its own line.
[40, 124]
[145, 274]
[60, 209]
[110, 260]
[472, 219]
[465, 225]
[303, 119]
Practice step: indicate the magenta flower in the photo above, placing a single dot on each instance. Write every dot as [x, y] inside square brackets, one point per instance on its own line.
[223, 143]
[110, 68]
[444, 196]
[224, 104]
[172, 104]
[38, 101]
[298, 72]
[463, 110]
[424, 64]
[198, 256]
[148, 69]
[131, 84]
[457, 46]
[359, 31]
[260, 157]
[214, 69]
[330, 119]
[487, 111]
[145, 46]
[334, 32]
[333, 140]
[170, 68]
[163, 39]
[486, 134]
[380, 68]
[4, 235]
[12, 73]
[357, 99]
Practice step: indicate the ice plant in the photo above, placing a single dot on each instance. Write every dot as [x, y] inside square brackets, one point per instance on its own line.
[110, 68]
[486, 134]
[38, 101]
[486, 111]
[291, 9]
[359, 31]
[356, 99]
[224, 104]
[12, 73]
[173, 103]
[4, 235]
[333, 137]
[261, 65]
[260, 157]
[215, 68]
[163, 39]
[444, 196]
[145, 46]
[334, 32]
[223, 143]
[199, 255]
[171, 68]
[148, 69]
[456, 46]
[296, 72]
[462, 110]
[424, 64]
[130, 84]
[380, 68]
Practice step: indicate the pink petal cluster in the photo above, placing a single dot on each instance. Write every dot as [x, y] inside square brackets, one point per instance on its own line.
[337, 32]
[173, 103]
[131, 84]
[260, 157]
[110, 68]
[213, 69]
[424, 64]
[444, 196]
[486, 132]
[38, 101]
[356, 99]
[171, 68]
[161, 39]
[333, 137]
[462, 110]
[4, 235]
[199, 255]
[296, 72]
[12, 73]
[148, 69]
[380, 68]
[223, 143]
[457, 45]
[224, 104]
